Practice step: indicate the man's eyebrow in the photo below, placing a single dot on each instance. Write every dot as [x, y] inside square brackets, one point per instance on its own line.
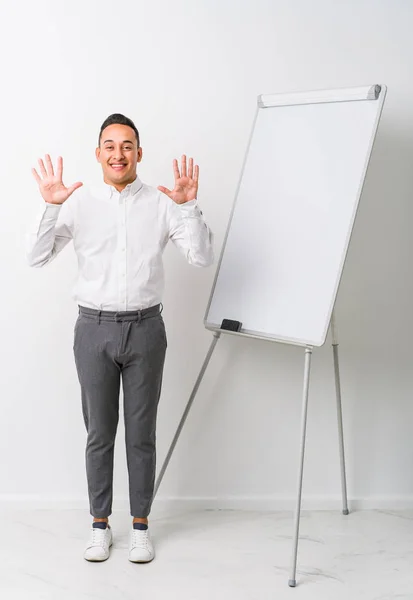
[124, 142]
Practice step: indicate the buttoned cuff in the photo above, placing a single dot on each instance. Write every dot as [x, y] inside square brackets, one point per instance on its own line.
[52, 210]
[190, 208]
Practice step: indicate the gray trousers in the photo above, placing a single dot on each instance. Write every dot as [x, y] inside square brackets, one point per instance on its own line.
[109, 346]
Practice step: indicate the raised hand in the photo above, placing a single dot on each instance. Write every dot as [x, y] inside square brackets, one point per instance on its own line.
[186, 182]
[51, 186]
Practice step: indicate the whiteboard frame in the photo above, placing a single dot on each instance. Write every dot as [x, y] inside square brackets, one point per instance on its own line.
[371, 93]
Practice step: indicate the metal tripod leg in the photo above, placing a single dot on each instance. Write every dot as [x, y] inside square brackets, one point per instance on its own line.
[308, 353]
[339, 416]
[187, 409]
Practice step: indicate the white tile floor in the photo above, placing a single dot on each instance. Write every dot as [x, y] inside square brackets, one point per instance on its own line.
[211, 555]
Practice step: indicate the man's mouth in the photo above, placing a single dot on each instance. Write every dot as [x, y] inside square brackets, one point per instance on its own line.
[118, 166]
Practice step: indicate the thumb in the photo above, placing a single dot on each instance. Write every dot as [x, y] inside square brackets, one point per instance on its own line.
[164, 190]
[74, 187]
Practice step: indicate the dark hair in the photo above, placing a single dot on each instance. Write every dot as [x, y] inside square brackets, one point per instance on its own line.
[118, 119]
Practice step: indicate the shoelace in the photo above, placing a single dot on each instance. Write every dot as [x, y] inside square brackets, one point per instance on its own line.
[98, 537]
[140, 538]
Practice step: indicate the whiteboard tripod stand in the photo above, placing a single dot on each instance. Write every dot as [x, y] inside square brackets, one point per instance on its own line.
[289, 231]
[306, 386]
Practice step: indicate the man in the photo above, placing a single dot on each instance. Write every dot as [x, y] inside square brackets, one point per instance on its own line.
[119, 231]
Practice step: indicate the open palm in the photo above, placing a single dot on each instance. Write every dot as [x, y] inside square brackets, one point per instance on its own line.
[186, 182]
[51, 186]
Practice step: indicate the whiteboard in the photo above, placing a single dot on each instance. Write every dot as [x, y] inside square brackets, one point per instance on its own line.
[293, 214]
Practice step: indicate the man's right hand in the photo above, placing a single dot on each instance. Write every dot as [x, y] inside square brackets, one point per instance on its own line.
[51, 186]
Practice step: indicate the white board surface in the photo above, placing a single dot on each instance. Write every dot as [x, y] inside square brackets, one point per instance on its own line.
[292, 218]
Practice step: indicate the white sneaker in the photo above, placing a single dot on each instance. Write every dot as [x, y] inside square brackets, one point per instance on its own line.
[99, 543]
[141, 549]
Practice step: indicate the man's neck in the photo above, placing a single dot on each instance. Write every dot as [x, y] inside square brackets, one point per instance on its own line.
[120, 186]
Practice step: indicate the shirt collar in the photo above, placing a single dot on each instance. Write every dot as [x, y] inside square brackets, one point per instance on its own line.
[130, 189]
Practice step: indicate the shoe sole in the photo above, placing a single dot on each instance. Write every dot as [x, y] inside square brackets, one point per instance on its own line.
[141, 562]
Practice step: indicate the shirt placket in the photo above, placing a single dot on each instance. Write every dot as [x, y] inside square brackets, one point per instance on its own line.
[122, 254]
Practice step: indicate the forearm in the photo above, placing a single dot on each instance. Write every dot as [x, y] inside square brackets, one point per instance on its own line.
[46, 239]
[197, 242]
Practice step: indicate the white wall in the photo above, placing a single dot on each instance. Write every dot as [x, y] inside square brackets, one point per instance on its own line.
[188, 72]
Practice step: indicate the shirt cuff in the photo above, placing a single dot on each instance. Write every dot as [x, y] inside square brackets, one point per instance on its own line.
[52, 209]
[190, 208]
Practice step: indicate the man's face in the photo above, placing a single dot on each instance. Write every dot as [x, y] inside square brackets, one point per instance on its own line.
[118, 154]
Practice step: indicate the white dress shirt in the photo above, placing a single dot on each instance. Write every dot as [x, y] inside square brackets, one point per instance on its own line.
[119, 238]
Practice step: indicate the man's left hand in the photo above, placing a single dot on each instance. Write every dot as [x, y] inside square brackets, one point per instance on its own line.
[186, 182]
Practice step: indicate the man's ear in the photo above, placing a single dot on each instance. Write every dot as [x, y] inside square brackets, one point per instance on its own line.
[97, 154]
[140, 153]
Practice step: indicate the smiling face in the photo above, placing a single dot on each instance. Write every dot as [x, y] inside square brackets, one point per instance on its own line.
[118, 154]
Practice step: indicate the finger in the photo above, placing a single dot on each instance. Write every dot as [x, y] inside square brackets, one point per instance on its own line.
[59, 168]
[42, 169]
[196, 174]
[183, 165]
[164, 190]
[74, 187]
[49, 166]
[191, 168]
[176, 170]
[36, 176]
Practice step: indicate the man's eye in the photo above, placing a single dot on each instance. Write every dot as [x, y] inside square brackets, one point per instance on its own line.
[128, 148]
[109, 147]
